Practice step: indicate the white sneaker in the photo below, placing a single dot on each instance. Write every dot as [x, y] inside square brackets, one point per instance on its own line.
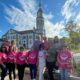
[34, 79]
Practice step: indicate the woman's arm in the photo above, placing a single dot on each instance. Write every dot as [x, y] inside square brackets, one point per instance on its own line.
[2, 64]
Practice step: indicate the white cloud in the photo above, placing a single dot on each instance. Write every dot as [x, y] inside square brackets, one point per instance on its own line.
[78, 18]
[68, 9]
[26, 18]
[22, 19]
[28, 5]
[48, 16]
[53, 30]
[71, 11]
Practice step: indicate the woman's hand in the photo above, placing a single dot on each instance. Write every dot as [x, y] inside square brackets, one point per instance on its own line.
[26, 61]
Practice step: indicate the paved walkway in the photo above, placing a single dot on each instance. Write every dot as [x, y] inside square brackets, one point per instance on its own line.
[26, 77]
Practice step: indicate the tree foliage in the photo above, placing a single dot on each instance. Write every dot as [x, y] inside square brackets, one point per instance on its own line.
[74, 33]
[71, 26]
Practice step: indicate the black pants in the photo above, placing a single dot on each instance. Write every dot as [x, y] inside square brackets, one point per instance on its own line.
[4, 71]
[50, 67]
[33, 71]
[11, 68]
[21, 69]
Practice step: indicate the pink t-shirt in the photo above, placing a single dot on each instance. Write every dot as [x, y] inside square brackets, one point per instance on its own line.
[20, 58]
[32, 57]
[11, 56]
[64, 59]
[0, 56]
[3, 57]
[46, 45]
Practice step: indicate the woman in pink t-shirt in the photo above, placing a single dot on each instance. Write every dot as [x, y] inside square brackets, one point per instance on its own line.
[45, 43]
[32, 59]
[64, 62]
[11, 62]
[20, 60]
[3, 62]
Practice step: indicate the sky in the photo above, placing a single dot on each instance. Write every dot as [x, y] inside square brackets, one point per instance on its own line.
[21, 15]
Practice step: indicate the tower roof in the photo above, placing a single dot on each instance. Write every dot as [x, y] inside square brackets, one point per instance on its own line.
[40, 11]
[40, 5]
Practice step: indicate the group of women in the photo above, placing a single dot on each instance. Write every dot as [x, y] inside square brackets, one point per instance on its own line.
[41, 55]
[10, 58]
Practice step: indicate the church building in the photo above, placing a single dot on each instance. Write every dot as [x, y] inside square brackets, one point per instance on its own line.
[26, 38]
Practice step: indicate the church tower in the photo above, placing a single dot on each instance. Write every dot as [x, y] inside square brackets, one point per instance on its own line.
[40, 21]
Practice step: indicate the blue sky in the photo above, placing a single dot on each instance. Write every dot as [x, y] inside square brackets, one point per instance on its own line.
[21, 15]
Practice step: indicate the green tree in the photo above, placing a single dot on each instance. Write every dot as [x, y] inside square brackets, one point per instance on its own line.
[74, 33]
[70, 26]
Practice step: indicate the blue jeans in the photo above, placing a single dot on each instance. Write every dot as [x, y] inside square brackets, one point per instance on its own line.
[33, 71]
[64, 75]
[4, 72]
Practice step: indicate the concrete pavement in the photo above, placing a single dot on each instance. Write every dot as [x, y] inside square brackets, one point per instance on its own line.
[26, 77]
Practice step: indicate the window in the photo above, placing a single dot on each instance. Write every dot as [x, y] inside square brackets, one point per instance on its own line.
[11, 37]
[8, 37]
[14, 37]
[24, 37]
[19, 42]
[30, 41]
[24, 41]
[19, 36]
[30, 36]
